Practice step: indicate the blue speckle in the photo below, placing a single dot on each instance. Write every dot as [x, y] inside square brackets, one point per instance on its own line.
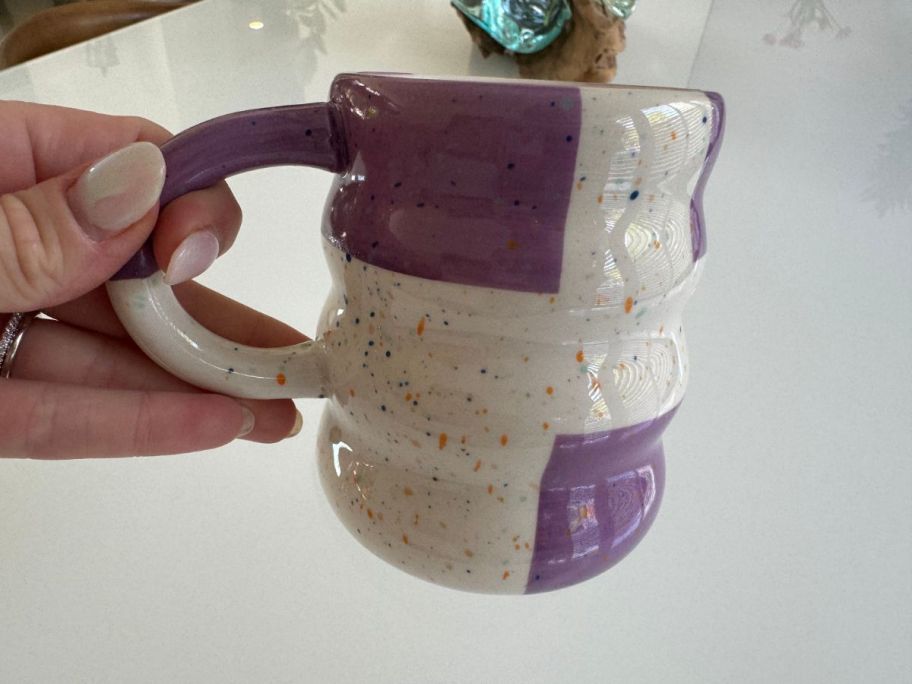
[634, 194]
[569, 138]
[348, 257]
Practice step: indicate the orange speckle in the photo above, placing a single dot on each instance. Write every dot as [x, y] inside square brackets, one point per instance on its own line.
[600, 199]
[484, 411]
[525, 359]
[490, 489]
[407, 491]
[487, 429]
[512, 244]
[628, 304]
[281, 379]
[545, 425]
[477, 465]
[638, 182]
[503, 440]
[579, 356]
[351, 392]
[549, 389]
[651, 198]
[462, 440]
[442, 524]
[579, 185]
[516, 546]
[527, 545]
[506, 574]
[468, 552]
[420, 328]
[405, 539]
[594, 383]
[657, 244]
[674, 136]
[442, 440]
[500, 498]
[416, 519]
[415, 443]
[370, 514]
[408, 396]
[551, 300]
[380, 516]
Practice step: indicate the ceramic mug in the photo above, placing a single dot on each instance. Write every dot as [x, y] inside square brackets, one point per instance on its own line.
[502, 346]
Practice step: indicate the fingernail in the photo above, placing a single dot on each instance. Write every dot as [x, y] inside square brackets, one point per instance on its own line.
[249, 422]
[117, 191]
[298, 424]
[193, 256]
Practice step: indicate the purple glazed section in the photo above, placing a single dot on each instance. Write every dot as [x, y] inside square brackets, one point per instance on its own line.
[201, 156]
[599, 495]
[464, 182]
[697, 229]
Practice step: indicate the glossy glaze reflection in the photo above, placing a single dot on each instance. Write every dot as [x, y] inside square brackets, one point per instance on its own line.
[503, 345]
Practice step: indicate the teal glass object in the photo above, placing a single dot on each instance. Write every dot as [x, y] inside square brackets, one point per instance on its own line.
[523, 26]
[620, 8]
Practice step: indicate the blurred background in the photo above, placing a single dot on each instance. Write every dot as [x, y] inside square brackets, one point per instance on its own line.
[783, 550]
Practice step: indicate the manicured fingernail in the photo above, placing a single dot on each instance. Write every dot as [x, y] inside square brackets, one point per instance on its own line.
[117, 191]
[193, 256]
[298, 424]
[249, 422]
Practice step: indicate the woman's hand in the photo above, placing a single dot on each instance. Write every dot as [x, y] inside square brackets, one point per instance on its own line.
[78, 197]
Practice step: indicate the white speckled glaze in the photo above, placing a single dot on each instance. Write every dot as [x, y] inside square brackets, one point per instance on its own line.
[444, 399]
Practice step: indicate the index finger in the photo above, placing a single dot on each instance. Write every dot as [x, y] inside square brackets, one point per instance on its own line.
[46, 140]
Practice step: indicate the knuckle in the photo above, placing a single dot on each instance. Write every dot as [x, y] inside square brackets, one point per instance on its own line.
[31, 260]
[41, 423]
[143, 437]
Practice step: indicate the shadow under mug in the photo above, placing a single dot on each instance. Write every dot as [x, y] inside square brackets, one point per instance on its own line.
[502, 347]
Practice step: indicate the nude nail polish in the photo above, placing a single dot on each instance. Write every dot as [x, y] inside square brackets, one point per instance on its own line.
[118, 190]
[193, 256]
[249, 422]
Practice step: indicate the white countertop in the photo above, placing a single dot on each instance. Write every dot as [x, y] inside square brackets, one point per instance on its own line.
[783, 551]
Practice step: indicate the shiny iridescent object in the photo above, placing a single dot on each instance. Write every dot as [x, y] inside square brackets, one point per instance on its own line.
[619, 8]
[522, 26]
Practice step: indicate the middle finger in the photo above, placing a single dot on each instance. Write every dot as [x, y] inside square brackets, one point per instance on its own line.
[218, 313]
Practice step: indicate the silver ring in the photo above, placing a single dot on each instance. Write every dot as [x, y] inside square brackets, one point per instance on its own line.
[11, 339]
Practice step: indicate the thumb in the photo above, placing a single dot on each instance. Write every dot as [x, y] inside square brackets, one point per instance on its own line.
[67, 235]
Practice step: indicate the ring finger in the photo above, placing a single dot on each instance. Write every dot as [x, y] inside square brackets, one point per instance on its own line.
[52, 351]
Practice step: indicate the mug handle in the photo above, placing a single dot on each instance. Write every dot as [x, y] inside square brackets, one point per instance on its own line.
[307, 135]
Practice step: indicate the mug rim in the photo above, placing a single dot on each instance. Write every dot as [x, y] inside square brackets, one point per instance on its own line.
[528, 82]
